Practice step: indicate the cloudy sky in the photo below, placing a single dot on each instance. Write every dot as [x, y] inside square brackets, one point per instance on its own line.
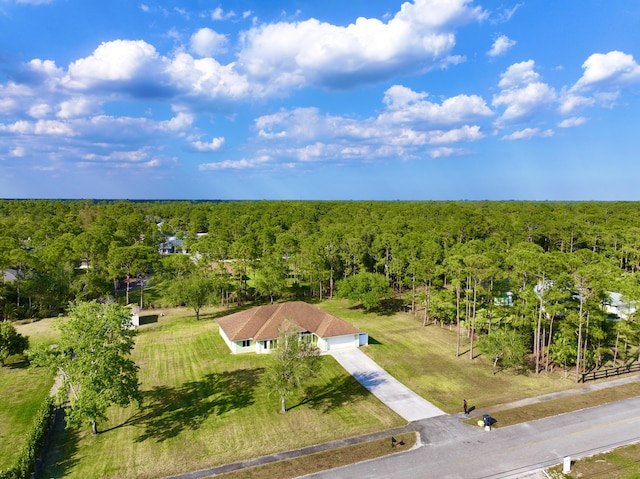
[302, 99]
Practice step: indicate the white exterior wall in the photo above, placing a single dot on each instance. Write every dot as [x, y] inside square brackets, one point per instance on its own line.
[230, 344]
[343, 342]
[322, 344]
[246, 349]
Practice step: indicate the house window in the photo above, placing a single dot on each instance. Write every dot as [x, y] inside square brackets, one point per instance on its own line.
[246, 343]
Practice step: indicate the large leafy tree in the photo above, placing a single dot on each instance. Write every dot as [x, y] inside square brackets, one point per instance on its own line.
[294, 360]
[195, 290]
[11, 342]
[367, 288]
[506, 347]
[92, 358]
[271, 279]
[129, 262]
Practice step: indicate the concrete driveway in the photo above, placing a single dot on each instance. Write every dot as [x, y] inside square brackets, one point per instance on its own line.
[381, 384]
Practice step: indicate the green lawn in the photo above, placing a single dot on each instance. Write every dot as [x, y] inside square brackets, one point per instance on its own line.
[424, 359]
[205, 407]
[22, 391]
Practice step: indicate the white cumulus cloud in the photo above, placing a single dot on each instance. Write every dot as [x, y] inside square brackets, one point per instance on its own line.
[75, 107]
[522, 94]
[17, 152]
[527, 133]
[207, 78]
[206, 42]
[420, 36]
[234, 164]
[118, 60]
[613, 68]
[39, 110]
[500, 46]
[214, 145]
[572, 122]
[407, 106]
[219, 14]
[445, 151]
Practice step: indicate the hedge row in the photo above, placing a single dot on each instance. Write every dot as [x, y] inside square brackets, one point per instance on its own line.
[29, 454]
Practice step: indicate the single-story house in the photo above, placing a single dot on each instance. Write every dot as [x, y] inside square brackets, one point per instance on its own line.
[257, 329]
[9, 275]
[171, 245]
[618, 308]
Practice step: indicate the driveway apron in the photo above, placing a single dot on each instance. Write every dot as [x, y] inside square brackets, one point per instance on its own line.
[381, 384]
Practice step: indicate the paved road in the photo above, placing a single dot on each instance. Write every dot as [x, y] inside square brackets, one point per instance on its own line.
[454, 450]
[450, 449]
[385, 387]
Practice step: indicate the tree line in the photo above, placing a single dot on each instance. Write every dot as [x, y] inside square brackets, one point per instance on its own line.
[517, 280]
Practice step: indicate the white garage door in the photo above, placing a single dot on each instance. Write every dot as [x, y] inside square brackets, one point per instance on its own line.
[341, 342]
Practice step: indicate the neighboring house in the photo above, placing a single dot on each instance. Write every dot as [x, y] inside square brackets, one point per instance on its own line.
[615, 306]
[504, 300]
[257, 329]
[9, 275]
[172, 245]
[84, 264]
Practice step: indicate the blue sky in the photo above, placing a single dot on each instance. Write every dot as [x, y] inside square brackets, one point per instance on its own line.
[358, 99]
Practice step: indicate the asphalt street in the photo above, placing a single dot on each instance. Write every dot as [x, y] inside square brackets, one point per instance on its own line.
[453, 450]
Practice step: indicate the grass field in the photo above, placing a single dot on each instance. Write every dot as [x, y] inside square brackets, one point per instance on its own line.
[324, 460]
[205, 407]
[424, 359]
[22, 391]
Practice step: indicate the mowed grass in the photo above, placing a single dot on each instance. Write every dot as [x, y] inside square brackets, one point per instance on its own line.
[424, 359]
[205, 407]
[22, 391]
[325, 460]
[623, 463]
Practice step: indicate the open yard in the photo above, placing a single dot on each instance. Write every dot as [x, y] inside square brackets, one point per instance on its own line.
[204, 407]
[424, 359]
[22, 391]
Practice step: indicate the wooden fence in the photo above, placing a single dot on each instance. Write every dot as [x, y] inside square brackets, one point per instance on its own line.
[610, 372]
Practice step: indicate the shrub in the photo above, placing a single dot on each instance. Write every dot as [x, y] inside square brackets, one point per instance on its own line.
[26, 462]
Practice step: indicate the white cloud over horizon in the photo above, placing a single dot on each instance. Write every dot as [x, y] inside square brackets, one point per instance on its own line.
[253, 91]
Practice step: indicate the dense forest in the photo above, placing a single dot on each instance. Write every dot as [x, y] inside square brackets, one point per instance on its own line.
[552, 282]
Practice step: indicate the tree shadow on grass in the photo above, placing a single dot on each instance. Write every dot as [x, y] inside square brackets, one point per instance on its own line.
[62, 453]
[17, 362]
[226, 312]
[336, 393]
[387, 307]
[148, 319]
[167, 410]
